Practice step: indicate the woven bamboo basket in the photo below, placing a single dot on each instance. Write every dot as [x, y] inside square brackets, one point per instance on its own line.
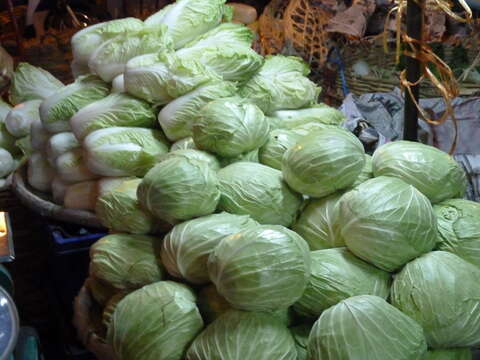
[90, 331]
[385, 74]
[42, 204]
[299, 27]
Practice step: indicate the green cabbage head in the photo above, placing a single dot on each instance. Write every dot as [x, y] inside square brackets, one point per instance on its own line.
[459, 228]
[230, 127]
[387, 222]
[440, 291]
[337, 274]
[300, 335]
[186, 247]
[279, 141]
[193, 154]
[119, 210]
[430, 170]
[366, 327]
[318, 223]
[262, 268]
[323, 162]
[257, 190]
[239, 335]
[157, 322]
[179, 189]
[125, 261]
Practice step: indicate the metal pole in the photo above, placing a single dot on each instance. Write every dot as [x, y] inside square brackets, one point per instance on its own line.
[414, 30]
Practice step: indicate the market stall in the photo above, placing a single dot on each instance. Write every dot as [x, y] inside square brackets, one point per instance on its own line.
[236, 211]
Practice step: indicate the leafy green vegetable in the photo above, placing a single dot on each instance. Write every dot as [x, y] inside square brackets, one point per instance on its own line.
[238, 335]
[57, 109]
[323, 162]
[439, 290]
[430, 170]
[19, 120]
[279, 141]
[448, 354]
[257, 190]
[124, 151]
[262, 268]
[112, 111]
[459, 228]
[157, 322]
[338, 275]
[280, 84]
[125, 261]
[111, 57]
[187, 19]
[178, 116]
[387, 222]
[179, 188]
[195, 155]
[119, 210]
[319, 225]
[319, 113]
[230, 127]
[32, 83]
[366, 327]
[186, 248]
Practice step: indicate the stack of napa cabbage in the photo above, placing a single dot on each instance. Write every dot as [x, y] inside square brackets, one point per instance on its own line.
[286, 241]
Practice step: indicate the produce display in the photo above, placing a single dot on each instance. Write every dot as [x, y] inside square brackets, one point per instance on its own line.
[246, 223]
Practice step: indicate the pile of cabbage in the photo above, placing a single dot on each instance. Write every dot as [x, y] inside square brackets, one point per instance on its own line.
[245, 222]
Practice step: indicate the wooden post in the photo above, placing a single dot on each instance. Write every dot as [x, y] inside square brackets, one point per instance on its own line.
[414, 30]
[18, 36]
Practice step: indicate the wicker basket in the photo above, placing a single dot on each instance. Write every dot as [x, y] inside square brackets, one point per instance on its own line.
[87, 321]
[386, 75]
[42, 204]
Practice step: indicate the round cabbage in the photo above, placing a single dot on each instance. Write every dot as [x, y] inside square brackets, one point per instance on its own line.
[279, 141]
[300, 335]
[119, 210]
[459, 228]
[194, 155]
[179, 189]
[366, 327]
[263, 268]
[239, 335]
[449, 354]
[337, 274]
[259, 191]
[230, 127]
[318, 223]
[430, 170]
[211, 305]
[157, 322]
[440, 291]
[186, 248]
[125, 261]
[387, 222]
[323, 162]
